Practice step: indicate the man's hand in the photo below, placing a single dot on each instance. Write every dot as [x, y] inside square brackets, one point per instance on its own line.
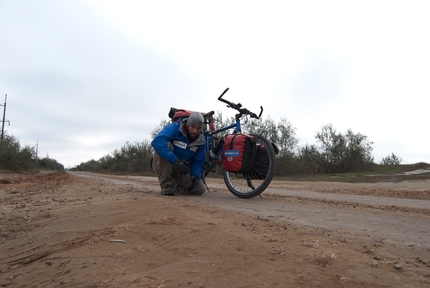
[194, 182]
[180, 167]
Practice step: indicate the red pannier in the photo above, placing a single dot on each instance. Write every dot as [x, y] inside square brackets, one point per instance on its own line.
[239, 153]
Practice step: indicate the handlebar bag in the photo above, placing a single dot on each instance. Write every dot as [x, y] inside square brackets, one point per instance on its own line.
[239, 153]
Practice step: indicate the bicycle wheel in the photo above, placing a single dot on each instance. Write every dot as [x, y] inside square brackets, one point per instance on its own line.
[254, 183]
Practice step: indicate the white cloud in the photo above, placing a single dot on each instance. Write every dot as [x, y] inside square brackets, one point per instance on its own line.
[83, 77]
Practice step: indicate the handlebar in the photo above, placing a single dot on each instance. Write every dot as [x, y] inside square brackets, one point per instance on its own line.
[238, 107]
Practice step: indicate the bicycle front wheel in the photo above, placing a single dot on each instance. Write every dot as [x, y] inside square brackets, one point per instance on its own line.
[254, 183]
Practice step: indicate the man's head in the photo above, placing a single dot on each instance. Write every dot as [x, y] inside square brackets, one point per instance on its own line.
[195, 125]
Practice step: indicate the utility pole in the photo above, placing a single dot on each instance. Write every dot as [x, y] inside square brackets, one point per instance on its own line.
[4, 118]
[37, 150]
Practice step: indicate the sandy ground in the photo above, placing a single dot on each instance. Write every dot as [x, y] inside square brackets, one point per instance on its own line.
[68, 229]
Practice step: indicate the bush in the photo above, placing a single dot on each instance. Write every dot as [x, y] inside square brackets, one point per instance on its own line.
[50, 164]
[14, 157]
[391, 160]
[309, 160]
[133, 158]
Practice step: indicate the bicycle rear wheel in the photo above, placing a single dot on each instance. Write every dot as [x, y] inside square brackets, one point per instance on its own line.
[254, 183]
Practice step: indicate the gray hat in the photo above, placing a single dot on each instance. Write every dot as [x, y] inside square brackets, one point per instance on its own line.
[195, 119]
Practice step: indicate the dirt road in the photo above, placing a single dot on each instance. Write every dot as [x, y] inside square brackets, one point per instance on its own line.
[94, 230]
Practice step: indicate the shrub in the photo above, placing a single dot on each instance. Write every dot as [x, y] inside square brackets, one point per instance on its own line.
[14, 157]
[391, 160]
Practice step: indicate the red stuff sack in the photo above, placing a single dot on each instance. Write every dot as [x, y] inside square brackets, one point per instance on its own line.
[176, 114]
[239, 153]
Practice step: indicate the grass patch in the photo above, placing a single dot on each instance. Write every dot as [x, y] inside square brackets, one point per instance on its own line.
[378, 173]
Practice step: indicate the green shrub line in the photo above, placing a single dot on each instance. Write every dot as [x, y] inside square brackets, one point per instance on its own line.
[333, 153]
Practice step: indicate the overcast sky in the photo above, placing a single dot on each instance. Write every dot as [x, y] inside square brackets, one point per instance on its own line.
[84, 77]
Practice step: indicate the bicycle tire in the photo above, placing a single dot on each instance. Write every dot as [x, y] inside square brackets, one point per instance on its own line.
[254, 183]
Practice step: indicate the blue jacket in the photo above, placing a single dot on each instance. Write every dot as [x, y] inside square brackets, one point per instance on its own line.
[194, 153]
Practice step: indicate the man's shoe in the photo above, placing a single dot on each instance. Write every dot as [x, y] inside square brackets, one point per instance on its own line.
[168, 192]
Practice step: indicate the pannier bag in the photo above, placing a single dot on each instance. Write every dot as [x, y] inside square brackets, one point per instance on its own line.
[261, 165]
[176, 114]
[262, 161]
[239, 153]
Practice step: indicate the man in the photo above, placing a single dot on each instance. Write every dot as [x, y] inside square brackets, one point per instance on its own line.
[180, 155]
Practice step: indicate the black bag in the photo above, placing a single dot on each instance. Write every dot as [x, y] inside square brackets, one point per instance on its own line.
[262, 161]
[261, 165]
[239, 153]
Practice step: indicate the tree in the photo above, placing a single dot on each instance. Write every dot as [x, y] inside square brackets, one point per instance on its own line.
[359, 152]
[15, 157]
[50, 164]
[156, 130]
[283, 134]
[344, 153]
[391, 160]
[309, 159]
